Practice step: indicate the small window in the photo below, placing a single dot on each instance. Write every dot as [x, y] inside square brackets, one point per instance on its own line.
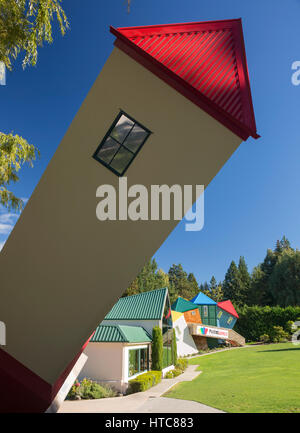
[205, 310]
[193, 313]
[229, 320]
[220, 314]
[121, 144]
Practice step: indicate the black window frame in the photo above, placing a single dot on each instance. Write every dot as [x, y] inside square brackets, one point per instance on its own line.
[108, 134]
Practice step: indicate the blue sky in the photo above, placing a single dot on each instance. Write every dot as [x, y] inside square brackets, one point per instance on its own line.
[255, 199]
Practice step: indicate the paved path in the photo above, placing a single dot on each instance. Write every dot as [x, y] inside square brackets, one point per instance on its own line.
[149, 401]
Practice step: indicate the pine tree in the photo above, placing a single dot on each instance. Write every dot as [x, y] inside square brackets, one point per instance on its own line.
[284, 282]
[282, 245]
[213, 284]
[245, 281]
[149, 278]
[194, 287]
[180, 285]
[232, 284]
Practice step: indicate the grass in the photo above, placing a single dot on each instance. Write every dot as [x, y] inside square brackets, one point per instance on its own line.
[256, 379]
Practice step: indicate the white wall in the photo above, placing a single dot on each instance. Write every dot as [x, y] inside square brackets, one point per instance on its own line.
[104, 364]
[108, 363]
[185, 342]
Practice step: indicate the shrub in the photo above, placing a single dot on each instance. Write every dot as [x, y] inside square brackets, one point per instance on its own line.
[144, 381]
[173, 373]
[182, 364]
[255, 321]
[157, 375]
[157, 349]
[278, 334]
[89, 389]
[289, 327]
[264, 338]
[74, 393]
[176, 372]
[169, 375]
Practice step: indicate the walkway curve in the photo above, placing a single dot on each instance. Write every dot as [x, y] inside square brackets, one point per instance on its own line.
[150, 401]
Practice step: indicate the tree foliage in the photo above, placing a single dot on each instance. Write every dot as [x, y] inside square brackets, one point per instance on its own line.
[284, 283]
[181, 283]
[149, 278]
[255, 321]
[25, 25]
[232, 284]
[276, 280]
[14, 152]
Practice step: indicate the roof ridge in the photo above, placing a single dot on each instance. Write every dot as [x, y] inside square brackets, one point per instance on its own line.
[184, 299]
[146, 305]
[141, 293]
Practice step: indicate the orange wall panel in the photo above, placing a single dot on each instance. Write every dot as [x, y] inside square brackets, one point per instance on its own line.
[193, 316]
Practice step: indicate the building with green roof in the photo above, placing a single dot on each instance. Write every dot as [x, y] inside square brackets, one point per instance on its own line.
[120, 349]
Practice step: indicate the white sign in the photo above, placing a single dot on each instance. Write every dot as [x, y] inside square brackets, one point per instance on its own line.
[206, 331]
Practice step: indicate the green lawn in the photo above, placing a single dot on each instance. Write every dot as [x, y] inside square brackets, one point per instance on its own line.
[257, 379]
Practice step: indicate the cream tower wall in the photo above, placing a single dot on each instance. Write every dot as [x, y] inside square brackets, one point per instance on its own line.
[62, 269]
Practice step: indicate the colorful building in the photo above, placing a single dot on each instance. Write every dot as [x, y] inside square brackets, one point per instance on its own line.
[226, 314]
[207, 308]
[209, 324]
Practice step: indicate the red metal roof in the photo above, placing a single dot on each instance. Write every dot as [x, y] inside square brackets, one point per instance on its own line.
[227, 306]
[205, 61]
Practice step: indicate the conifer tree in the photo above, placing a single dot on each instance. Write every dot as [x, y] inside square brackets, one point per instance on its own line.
[232, 284]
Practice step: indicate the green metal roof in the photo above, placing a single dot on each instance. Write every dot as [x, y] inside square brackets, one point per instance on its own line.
[120, 334]
[144, 306]
[183, 305]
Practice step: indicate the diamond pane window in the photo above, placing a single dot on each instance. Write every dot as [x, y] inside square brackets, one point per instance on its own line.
[121, 144]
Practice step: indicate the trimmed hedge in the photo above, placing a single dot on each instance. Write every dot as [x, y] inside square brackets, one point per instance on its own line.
[257, 321]
[144, 381]
[157, 349]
